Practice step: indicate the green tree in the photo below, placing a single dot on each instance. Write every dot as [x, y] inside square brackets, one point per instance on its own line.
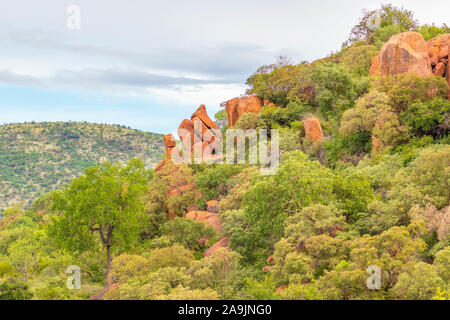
[104, 205]
[389, 16]
[188, 233]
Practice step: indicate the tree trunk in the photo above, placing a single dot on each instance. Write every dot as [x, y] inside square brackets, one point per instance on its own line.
[108, 256]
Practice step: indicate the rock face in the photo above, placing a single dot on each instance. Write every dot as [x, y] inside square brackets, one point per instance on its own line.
[313, 130]
[212, 206]
[408, 52]
[236, 107]
[375, 66]
[438, 52]
[201, 130]
[222, 243]
[209, 218]
[170, 144]
[404, 52]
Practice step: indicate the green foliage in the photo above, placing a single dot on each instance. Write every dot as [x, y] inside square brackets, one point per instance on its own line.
[261, 290]
[390, 16]
[358, 59]
[13, 289]
[213, 180]
[279, 83]
[432, 31]
[36, 158]
[407, 88]
[335, 88]
[270, 200]
[101, 206]
[188, 233]
[429, 117]
[420, 281]
[174, 256]
[274, 117]
[220, 118]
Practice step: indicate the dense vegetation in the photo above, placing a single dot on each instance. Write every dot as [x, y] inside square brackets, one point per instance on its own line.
[310, 231]
[36, 158]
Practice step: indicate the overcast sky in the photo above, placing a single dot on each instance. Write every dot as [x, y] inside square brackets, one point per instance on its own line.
[149, 64]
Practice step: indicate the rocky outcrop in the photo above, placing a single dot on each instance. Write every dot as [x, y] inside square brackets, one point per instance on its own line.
[222, 243]
[202, 131]
[438, 52]
[313, 130]
[375, 66]
[437, 49]
[170, 144]
[236, 107]
[209, 218]
[404, 52]
[408, 52]
[212, 206]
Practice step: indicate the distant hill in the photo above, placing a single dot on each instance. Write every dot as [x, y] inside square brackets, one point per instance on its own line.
[38, 157]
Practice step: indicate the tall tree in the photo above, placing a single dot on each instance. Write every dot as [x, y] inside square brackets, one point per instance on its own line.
[102, 206]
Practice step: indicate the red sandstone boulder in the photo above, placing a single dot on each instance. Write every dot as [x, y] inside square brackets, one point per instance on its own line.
[212, 206]
[200, 128]
[313, 129]
[209, 218]
[404, 52]
[375, 67]
[437, 48]
[222, 243]
[170, 144]
[189, 127]
[169, 141]
[203, 116]
[236, 107]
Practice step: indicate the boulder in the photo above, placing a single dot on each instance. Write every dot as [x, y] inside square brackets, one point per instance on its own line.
[313, 130]
[437, 48]
[209, 218]
[189, 127]
[200, 129]
[236, 107]
[375, 66]
[222, 243]
[404, 52]
[212, 206]
[169, 141]
[203, 116]
[440, 69]
[170, 144]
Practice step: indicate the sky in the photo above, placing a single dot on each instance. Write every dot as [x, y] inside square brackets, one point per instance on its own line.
[149, 64]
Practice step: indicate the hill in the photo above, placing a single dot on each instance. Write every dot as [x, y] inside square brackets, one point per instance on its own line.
[38, 157]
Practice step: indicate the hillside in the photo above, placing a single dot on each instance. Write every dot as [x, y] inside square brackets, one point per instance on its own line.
[357, 206]
[38, 157]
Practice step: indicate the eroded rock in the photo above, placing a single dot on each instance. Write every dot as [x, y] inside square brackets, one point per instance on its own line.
[236, 107]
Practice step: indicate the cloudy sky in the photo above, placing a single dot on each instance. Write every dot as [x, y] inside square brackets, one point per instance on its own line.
[149, 64]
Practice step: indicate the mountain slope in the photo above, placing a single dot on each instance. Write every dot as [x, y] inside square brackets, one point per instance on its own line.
[38, 157]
